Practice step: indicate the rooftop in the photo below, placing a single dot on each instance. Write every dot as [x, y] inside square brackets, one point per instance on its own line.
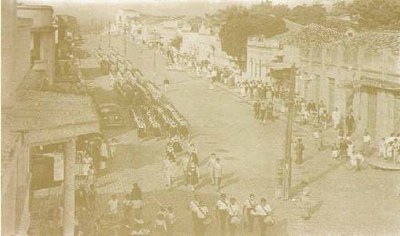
[310, 35]
[36, 110]
[373, 41]
[34, 7]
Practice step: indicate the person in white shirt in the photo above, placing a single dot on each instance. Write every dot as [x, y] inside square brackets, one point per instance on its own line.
[366, 142]
[211, 167]
[262, 211]
[170, 219]
[336, 117]
[222, 212]
[249, 206]
[193, 205]
[234, 216]
[356, 159]
[202, 214]
[382, 148]
[113, 206]
[218, 173]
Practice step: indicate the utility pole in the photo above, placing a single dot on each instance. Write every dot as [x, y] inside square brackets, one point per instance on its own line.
[154, 61]
[291, 112]
[125, 41]
[109, 34]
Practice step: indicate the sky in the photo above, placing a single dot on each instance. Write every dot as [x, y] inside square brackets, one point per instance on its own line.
[103, 10]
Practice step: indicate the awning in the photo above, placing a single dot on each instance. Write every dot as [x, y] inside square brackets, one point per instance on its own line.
[44, 116]
[377, 83]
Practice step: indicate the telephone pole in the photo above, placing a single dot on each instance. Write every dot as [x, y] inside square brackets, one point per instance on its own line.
[287, 180]
[109, 34]
[154, 61]
[125, 41]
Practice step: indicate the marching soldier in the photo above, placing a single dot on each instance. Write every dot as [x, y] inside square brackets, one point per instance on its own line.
[222, 212]
[234, 217]
[264, 212]
[248, 207]
[193, 205]
[202, 219]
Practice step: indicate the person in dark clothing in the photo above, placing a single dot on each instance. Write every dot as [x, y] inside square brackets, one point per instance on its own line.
[256, 107]
[91, 198]
[262, 111]
[350, 124]
[80, 197]
[136, 193]
[137, 200]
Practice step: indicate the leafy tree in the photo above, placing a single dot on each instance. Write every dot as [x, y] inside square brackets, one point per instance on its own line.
[376, 14]
[308, 14]
[176, 42]
[240, 23]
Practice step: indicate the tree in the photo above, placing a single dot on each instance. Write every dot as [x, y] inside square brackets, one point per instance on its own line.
[176, 42]
[308, 14]
[376, 14]
[240, 23]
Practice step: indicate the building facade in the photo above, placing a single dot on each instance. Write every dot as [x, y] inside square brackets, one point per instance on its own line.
[34, 116]
[357, 80]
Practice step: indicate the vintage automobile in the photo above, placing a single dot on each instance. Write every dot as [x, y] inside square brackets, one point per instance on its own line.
[111, 116]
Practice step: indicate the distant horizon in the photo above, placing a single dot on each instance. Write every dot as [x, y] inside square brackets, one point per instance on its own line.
[104, 10]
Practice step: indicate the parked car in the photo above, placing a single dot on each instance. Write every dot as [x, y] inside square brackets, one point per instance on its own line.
[110, 114]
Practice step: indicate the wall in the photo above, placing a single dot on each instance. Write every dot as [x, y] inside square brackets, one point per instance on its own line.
[375, 109]
[42, 15]
[260, 53]
[22, 51]
[8, 29]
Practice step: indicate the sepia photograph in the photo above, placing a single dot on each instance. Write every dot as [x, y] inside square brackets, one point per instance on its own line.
[200, 117]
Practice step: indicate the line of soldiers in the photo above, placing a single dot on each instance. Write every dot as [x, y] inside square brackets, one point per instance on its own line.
[230, 216]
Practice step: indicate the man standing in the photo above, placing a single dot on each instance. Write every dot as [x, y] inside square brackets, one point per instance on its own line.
[263, 110]
[211, 168]
[218, 172]
[249, 206]
[91, 197]
[256, 108]
[222, 212]
[336, 117]
[350, 122]
[299, 151]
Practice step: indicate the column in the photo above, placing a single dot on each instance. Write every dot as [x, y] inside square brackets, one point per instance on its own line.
[69, 188]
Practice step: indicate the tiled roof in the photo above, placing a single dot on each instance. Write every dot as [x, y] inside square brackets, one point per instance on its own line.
[373, 41]
[310, 35]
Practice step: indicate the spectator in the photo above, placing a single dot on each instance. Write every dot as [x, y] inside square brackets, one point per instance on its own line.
[91, 198]
[211, 168]
[350, 124]
[256, 108]
[218, 173]
[366, 142]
